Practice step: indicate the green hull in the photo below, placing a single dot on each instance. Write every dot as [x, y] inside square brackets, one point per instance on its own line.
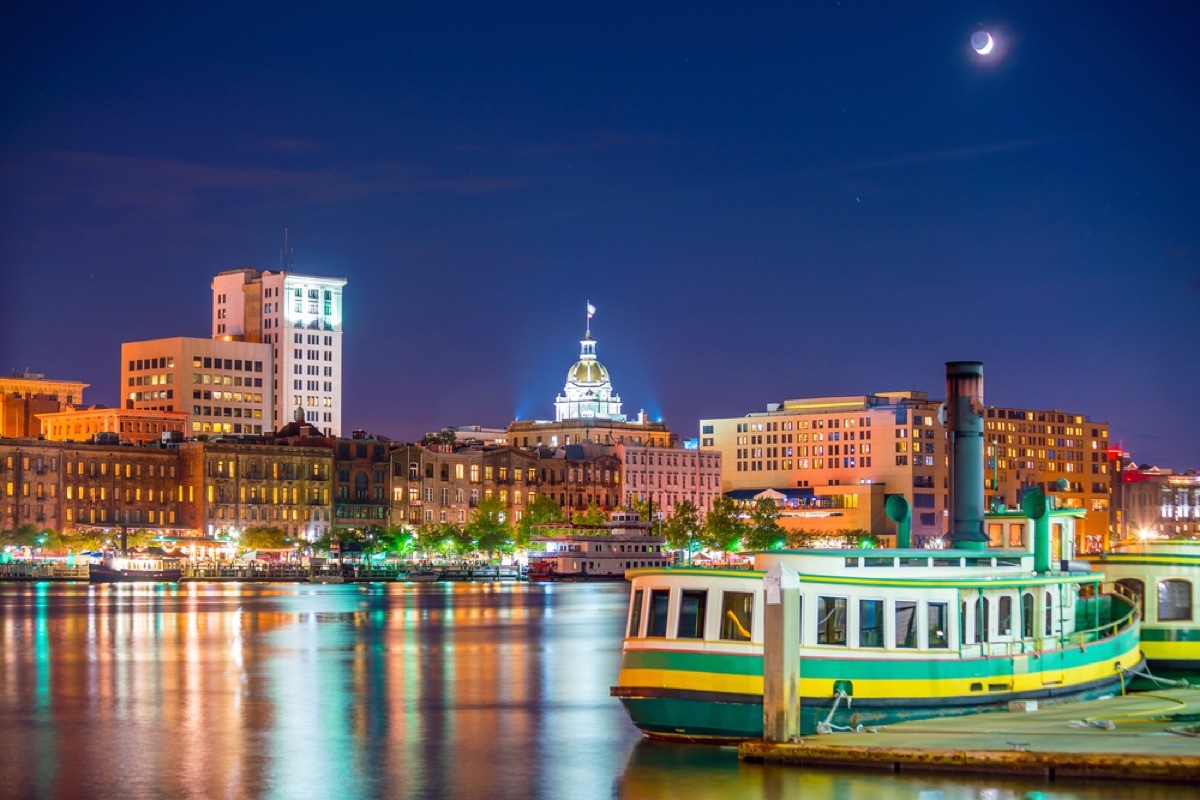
[704, 719]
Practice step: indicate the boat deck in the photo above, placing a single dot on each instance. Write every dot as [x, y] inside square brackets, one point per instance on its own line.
[1121, 737]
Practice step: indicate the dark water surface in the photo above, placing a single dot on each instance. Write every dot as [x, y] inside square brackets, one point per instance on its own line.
[379, 690]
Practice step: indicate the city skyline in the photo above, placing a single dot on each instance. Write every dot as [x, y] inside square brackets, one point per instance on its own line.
[781, 203]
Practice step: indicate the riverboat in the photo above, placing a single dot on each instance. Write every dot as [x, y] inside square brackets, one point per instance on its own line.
[884, 635]
[124, 569]
[596, 552]
[1162, 575]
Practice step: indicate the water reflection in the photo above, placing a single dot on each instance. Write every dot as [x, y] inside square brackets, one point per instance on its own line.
[219, 690]
[424, 690]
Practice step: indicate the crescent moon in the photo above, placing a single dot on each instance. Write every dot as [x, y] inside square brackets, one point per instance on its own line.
[988, 47]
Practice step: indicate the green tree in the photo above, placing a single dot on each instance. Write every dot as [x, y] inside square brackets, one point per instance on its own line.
[593, 515]
[394, 539]
[764, 531]
[264, 538]
[323, 543]
[488, 527]
[722, 529]
[682, 529]
[541, 510]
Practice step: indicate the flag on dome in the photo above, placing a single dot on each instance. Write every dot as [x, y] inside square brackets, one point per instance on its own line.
[591, 310]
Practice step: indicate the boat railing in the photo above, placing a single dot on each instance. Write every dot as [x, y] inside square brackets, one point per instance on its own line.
[1026, 646]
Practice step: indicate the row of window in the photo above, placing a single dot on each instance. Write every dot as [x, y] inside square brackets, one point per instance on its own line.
[235, 364]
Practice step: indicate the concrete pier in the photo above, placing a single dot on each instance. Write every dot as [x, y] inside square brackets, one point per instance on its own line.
[1142, 736]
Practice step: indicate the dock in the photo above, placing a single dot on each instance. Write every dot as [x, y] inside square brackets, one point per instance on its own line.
[1140, 736]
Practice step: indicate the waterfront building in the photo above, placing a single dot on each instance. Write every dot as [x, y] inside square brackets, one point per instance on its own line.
[434, 486]
[109, 487]
[831, 462]
[300, 317]
[577, 475]
[227, 486]
[224, 387]
[828, 461]
[664, 476]
[25, 395]
[1028, 447]
[361, 481]
[1157, 503]
[30, 479]
[130, 426]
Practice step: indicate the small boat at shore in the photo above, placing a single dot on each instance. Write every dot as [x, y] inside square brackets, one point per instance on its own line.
[125, 569]
[422, 576]
[326, 577]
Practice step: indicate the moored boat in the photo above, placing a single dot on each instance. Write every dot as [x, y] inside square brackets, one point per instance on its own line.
[125, 569]
[423, 576]
[883, 635]
[1162, 575]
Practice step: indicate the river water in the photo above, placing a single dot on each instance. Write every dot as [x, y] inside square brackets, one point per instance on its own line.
[377, 690]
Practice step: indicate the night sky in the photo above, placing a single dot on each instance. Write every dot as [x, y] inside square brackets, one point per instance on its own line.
[763, 201]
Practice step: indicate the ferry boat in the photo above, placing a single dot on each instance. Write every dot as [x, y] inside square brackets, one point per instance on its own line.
[1162, 575]
[122, 569]
[884, 635]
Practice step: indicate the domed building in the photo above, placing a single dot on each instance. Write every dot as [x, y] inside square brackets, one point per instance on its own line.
[588, 393]
[588, 411]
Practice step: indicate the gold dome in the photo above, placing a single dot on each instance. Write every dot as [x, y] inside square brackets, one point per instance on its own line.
[588, 372]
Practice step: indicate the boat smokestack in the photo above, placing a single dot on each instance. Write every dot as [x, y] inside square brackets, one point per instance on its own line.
[964, 418]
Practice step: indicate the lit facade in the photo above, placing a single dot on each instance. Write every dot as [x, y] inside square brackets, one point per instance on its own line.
[1026, 447]
[1159, 503]
[133, 426]
[68, 487]
[831, 460]
[23, 396]
[300, 317]
[588, 393]
[826, 457]
[223, 386]
[667, 475]
[226, 487]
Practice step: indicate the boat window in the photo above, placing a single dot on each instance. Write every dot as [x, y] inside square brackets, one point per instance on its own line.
[906, 623]
[691, 614]
[964, 634]
[879, 562]
[982, 609]
[1049, 613]
[659, 601]
[635, 614]
[870, 623]
[1135, 588]
[914, 562]
[936, 614]
[831, 620]
[1174, 600]
[737, 616]
[1004, 621]
[947, 562]
[1027, 615]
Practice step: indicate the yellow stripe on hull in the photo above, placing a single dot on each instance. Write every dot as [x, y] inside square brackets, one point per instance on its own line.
[1171, 651]
[881, 689]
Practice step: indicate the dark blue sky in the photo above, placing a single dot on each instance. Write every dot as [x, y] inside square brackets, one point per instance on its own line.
[763, 201]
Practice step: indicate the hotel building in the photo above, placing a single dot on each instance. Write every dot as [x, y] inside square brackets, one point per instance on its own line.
[300, 317]
[831, 461]
[1157, 502]
[223, 386]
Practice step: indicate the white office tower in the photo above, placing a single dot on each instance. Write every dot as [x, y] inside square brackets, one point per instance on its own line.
[300, 316]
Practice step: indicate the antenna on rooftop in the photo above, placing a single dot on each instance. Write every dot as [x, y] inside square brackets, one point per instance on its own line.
[287, 256]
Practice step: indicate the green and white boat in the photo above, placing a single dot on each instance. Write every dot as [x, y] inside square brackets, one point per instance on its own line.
[1161, 574]
[885, 635]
